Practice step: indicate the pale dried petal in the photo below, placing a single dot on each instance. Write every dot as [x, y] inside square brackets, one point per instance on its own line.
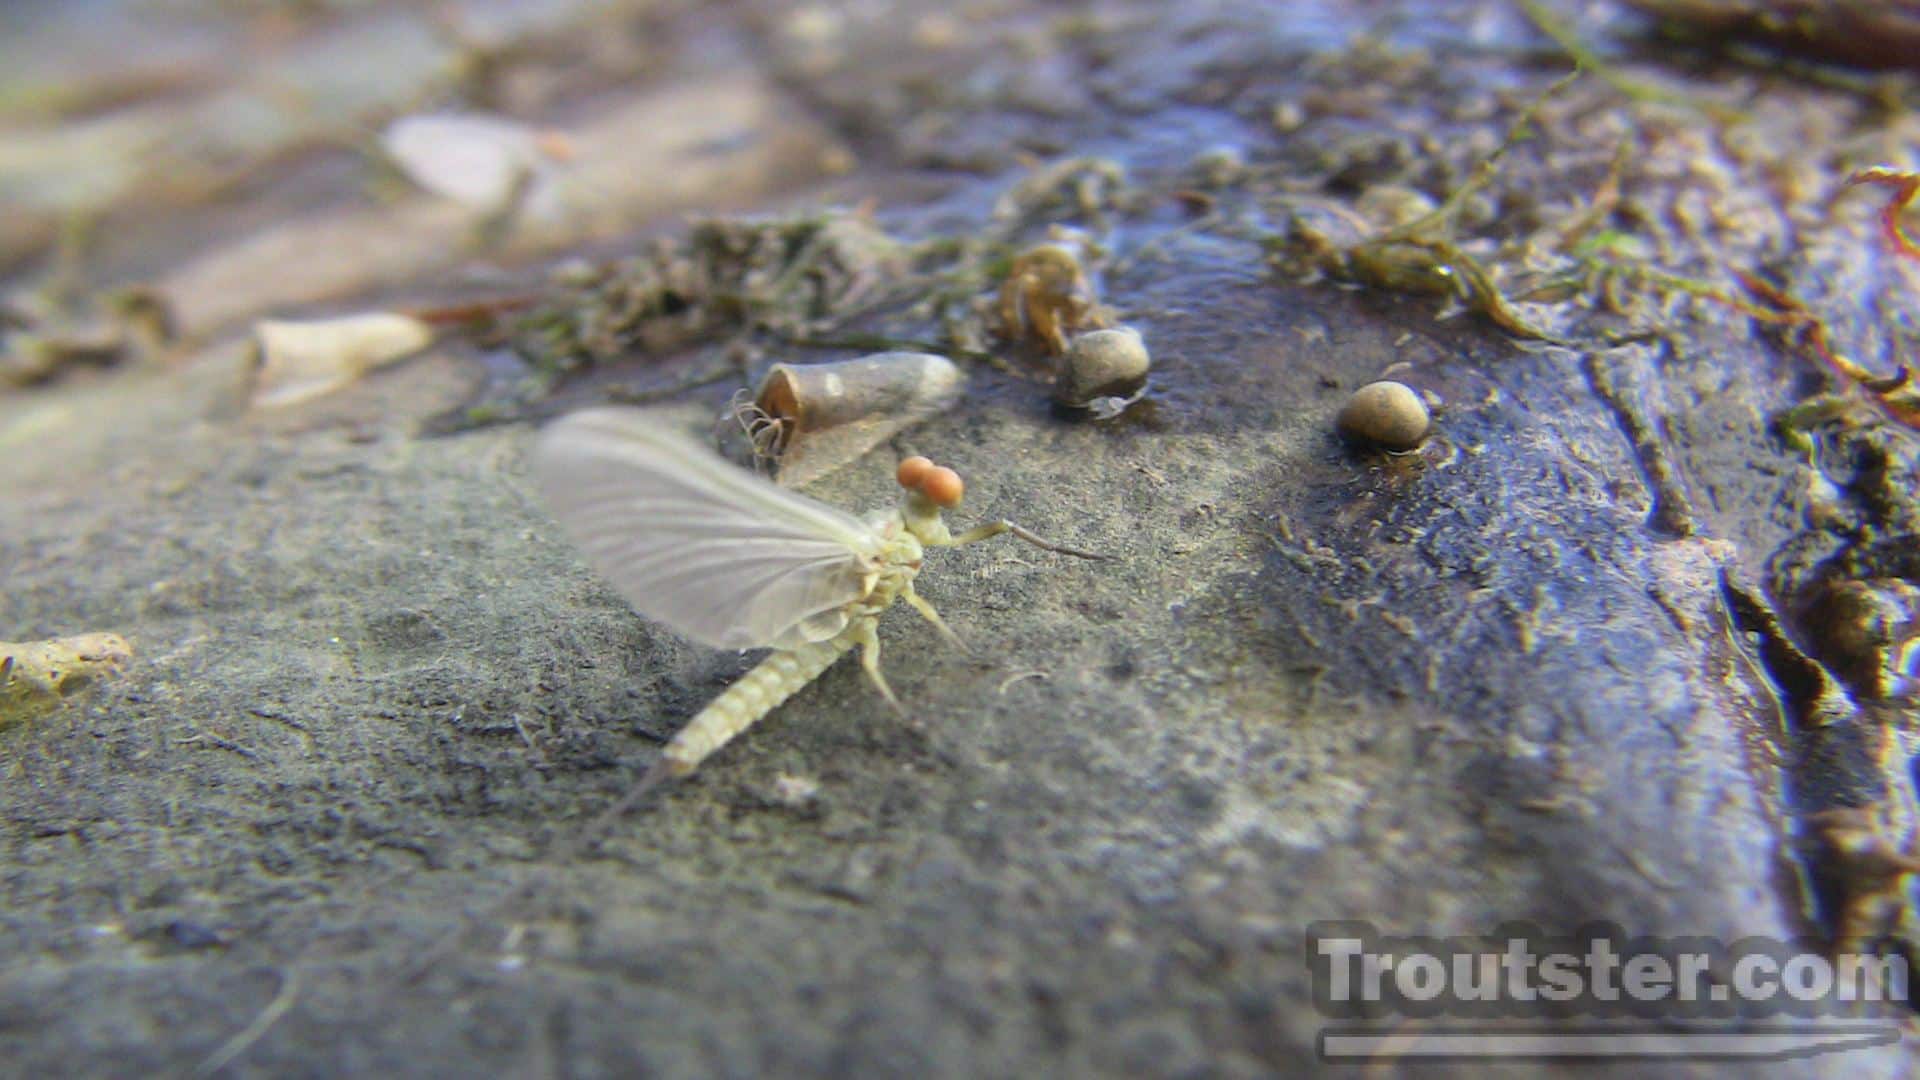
[298, 361]
[474, 159]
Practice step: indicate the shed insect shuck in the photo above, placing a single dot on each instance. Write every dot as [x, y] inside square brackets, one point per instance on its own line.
[809, 419]
[733, 561]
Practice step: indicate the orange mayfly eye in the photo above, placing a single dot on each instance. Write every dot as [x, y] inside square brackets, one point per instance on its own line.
[913, 472]
[555, 144]
[942, 487]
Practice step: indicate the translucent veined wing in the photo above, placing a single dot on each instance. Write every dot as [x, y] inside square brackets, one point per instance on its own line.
[711, 550]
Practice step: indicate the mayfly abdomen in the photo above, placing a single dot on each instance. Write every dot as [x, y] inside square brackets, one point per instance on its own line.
[757, 693]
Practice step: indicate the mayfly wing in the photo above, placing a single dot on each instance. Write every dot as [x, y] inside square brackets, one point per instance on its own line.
[711, 550]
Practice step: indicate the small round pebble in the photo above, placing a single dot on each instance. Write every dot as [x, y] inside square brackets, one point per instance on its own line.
[1102, 364]
[1388, 414]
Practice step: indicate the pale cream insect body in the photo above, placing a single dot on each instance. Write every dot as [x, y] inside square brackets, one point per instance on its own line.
[733, 561]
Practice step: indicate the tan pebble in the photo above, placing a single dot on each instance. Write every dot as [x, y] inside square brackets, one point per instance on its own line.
[1102, 364]
[1388, 414]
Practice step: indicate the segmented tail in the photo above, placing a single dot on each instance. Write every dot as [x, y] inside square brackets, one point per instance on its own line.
[771, 682]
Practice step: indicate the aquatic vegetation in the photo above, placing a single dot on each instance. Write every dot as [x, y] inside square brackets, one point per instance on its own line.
[1897, 395]
[44, 334]
[784, 276]
[1089, 186]
[1905, 185]
[1421, 254]
[1635, 89]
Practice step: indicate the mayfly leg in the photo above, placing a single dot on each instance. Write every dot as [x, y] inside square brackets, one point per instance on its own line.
[919, 604]
[995, 528]
[767, 434]
[867, 635]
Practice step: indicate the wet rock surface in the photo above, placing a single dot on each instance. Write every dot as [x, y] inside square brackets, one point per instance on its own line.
[1590, 653]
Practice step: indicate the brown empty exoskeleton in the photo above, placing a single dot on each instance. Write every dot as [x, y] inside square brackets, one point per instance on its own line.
[1046, 296]
[731, 560]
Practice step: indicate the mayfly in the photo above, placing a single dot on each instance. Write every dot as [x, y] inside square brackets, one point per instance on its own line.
[730, 560]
